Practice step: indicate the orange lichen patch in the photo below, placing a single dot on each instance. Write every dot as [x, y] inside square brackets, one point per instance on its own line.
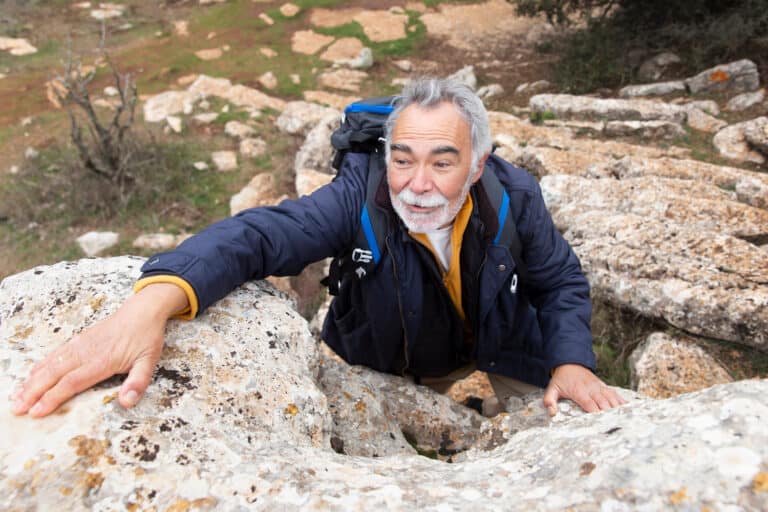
[22, 333]
[29, 464]
[49, 456]
[183, 505]
[111, 460]
[719, 76]
[360, 405]
[587, 468]
[108, 398]
[291, 409]
[90, 449]
[680, 496]
[760, 482]
[92, 480]
[66, 491]
[97, 303]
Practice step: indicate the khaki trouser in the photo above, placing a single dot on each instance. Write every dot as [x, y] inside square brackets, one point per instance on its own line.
[503, 387]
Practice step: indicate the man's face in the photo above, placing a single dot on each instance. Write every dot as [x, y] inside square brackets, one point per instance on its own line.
[429, 166]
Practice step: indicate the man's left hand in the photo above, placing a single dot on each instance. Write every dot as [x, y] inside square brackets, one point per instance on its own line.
[583, 387]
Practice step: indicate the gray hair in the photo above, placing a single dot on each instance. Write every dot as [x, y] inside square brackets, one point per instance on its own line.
[430, 92]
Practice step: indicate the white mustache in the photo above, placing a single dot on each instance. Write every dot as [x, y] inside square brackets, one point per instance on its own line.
[409, 197]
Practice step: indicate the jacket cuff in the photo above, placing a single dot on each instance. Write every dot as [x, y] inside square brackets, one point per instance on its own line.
[187, 313]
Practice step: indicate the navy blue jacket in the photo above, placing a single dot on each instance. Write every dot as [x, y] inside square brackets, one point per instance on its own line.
[400, 318]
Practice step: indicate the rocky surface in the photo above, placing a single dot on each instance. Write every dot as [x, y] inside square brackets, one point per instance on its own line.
[663, 366]
[93, 243]
[731, 142]
[586, 108]
[654, 89]
[739, 76]
[238, 417]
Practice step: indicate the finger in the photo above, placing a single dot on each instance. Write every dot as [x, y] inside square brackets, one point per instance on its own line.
[69, 385]
[137, 381]
[43, 377]
[551, 396]
[600, 400]
[586, 402]
[614, 398]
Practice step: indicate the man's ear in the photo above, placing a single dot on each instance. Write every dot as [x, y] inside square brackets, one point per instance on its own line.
[481, 167]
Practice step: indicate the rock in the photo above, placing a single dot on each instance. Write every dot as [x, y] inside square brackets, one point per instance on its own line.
[364, 60]
[240, 413]
[489, 91]
[95, 242]
[111, 91]
[336, 101]
[268, 52]
[206, 118]
[344, 79]
[664, 366]
[186, 79]
[738, 76]
[298, 117]
[756, 134]
[260, 191]
[708, 106]
[159, 241]
[655, 89]
[16, 46]
[169, 103]
[238, 130]
[331, 18]
[539, 33]
[403, 65]
[731, 141]
[14, 169]
[268, 80]
[309, 42]
[309, 180]
[657, 66]
[31, 153]
[295, 78]
[105, 14]
[224, 160]
[532, 87]
[466, 75]
[174, 123]
[289, 10]
[266, 18]
[583, 107]
[315, 153]
[644, 129]
[698, 120]
[181, 28]
[200, 166]
[382, 26]
[346, 48]
[252, 148]
[745, 100]
[240, 95]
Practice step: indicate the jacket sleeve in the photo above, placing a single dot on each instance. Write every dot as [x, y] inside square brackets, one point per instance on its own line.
[557, 286]
[277, 240]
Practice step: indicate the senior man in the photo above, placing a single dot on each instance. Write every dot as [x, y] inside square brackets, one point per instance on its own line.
[443, 300]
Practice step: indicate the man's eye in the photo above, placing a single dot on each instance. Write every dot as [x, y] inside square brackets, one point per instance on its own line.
[443, 164]
[400, 161]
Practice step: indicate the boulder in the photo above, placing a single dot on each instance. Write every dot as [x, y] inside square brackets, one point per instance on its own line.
[644, 129]
[587, 108]
[93, 243]
[490, 90]
[381, 26]
[466, 75]
[224, 161]
[16, 46]
[169, 103]
[343, 49]
[252, 148]
[745, 100]
[664, 366]
[654, 89]
[260, 191]
[756, 134]
[239, 95]
[657, 66]
[159, 241]
[731, 142]
[344, 79]
[698, 120]
[533, 87]
[363, 60]
[738, 76]
[238, 130]
[309, 42]
[299, 117]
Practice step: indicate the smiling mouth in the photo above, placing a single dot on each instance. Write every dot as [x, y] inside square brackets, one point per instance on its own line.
[421, 209]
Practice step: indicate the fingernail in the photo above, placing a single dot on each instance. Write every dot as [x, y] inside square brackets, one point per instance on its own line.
[131, 397]
[36, 409]
[17, 406]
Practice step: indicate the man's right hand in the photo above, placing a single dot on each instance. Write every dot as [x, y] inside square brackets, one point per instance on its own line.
[130, 340]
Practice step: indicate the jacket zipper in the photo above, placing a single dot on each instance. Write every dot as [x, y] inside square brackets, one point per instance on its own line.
[400, 307]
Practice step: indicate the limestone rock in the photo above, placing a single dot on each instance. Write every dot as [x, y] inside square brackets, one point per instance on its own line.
[654, 89]
[533, 87]
[382, 26]
[644, 129]
[756, 134]
[200, 166]
[224, 161]
[466, 75]
[490, 90]
[731, 141]
[175, 123]
[314, 156]
[336, 101]
[238, 130]
[698, 120]
[31, 153]
[346, 48]
[586, 108]
[331, 18]
[108, 11]
[738, 76]
[266, 18]
[289, 10]
[206, 118]
[159, 241]
[181, 28]
[95, 242]
[708, 106]
[209, 54]
[308, 180]
[239, 95]
[268, 80]
[169, 103]
[664, 366]
[298, 117]
[309, 42]
[260, 191]
[344, 79]
[252, 148]
[16, 46]
[403, 65]
[745, 100]
[655, 67]
[363, 60]
[268, 52]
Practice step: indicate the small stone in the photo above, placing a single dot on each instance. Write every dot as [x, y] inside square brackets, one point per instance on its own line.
[105, 14]
[14, 169]
[342, 49]
[289, 10]
[488, 91]
[206, 118]
[181, 28]
[344, 79]
[745, 100]
[251, 148]
[111, 91]
[226, 48]
[225, 109]
[31, 153]
[224, 161]
[266, 19]
[364, 60]
[205, 105]
[175, 123]
[96, 242]
[238, 130]
[158, 241]
[200, 166]
[186, 79]
[209, 54]
[210, 35]
[295, 79]
[26, 121]
[403, 65]
[268, 52]
[268, 80]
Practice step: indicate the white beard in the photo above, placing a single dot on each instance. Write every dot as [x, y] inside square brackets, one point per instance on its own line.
[443, 215]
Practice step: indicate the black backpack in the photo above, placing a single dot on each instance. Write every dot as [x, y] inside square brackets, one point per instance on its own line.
[362, 131]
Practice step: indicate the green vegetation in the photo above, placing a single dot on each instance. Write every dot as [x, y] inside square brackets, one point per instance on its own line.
[539, 117]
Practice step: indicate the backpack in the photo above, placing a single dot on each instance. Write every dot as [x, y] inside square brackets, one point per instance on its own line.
[362, 131]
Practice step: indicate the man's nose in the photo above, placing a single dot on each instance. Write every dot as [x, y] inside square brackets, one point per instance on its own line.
[421, 182]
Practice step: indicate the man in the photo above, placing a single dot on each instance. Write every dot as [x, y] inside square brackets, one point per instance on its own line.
[443, 300]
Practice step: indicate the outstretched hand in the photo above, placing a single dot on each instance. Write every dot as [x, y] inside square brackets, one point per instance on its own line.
[583, 387]
[130, 340]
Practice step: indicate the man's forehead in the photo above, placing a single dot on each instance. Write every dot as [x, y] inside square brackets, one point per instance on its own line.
[441, 124]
